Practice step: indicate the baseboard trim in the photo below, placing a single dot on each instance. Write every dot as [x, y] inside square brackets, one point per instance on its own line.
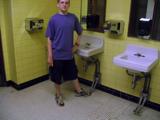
[29, 83]
[123, 95]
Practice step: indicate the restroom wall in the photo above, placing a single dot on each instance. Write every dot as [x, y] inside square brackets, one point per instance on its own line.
[75, 7]
[113, 76]
[25, 53]
[30, 48]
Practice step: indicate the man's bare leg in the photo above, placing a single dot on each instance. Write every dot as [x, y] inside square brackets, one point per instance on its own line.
[58, 89]
[79, 90]
[58, 97]
[77, 85]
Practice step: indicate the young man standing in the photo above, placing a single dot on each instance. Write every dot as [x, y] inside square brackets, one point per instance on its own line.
[61, 49]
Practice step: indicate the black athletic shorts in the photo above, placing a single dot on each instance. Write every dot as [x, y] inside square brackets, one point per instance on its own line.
[63, 70]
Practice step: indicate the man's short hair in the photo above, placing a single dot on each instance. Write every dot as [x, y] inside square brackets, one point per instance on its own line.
[59, 0]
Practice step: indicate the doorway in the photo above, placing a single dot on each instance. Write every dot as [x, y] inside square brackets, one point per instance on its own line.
[2, 70]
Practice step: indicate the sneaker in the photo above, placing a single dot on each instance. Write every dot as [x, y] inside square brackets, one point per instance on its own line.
[59, 100]
[81, 93]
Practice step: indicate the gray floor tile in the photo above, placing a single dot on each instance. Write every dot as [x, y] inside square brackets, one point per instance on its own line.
[37, 103]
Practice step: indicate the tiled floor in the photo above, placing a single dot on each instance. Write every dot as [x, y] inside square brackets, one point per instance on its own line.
[37, 103]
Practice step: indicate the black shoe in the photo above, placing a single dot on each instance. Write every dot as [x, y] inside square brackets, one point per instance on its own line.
[81, 93]
[59, 100]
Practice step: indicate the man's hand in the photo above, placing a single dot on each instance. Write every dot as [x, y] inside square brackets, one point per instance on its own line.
[50, 61]
[75, 48]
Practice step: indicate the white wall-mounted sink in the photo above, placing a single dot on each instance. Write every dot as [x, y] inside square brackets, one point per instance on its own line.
[90, 45]
[137, 58]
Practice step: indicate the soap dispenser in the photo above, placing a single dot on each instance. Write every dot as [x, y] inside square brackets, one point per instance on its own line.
[144, 27]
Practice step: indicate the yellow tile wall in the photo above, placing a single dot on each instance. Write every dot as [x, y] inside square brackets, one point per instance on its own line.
[25, 53]
[30, 48]
[75, 7]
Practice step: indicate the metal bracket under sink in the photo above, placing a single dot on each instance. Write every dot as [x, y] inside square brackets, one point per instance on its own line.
[97, 74]
[145, 91]
[144, 94]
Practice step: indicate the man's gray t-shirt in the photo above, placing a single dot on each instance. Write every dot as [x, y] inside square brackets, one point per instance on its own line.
[60, 31]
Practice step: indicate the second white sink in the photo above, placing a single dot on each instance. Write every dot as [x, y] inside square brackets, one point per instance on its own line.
[137, 58]
[90, 45]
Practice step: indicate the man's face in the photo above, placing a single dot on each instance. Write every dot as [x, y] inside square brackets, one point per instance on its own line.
[63, 5]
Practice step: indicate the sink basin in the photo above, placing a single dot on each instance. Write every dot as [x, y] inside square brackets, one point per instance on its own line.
[90, 45]
[137, 58]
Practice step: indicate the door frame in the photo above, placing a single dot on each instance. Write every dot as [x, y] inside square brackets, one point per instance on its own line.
[3, 81]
